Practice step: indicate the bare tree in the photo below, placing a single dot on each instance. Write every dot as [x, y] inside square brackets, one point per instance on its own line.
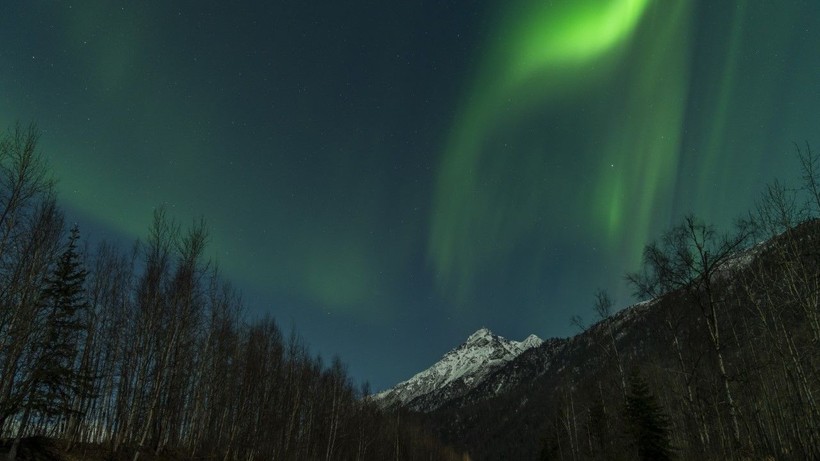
[603, 309]
[151, 349]
[690, 260]
[782, 289]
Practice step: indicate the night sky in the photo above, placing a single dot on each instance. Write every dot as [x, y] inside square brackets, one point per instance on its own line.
[388, 177]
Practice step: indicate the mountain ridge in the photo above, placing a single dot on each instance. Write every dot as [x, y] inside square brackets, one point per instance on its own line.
[535, 405]
[458, 371]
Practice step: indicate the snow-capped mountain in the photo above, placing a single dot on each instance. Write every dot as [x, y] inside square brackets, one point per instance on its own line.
[459, 371]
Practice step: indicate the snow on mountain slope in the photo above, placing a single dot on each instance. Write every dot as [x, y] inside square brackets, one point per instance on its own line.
[459, 371]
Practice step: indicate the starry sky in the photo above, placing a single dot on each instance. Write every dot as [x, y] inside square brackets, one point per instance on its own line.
[388, 177]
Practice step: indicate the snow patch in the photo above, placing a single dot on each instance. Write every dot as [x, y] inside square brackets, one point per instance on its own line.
[459, 370]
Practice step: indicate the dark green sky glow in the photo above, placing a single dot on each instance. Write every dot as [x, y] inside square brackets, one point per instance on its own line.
[390, 176]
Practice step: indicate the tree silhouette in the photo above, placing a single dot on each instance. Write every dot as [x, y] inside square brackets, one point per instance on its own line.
[54, 379]
[57, 380]
[648, 424]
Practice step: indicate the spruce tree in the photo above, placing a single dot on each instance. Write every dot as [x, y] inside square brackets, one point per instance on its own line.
[54, 378]
[648, 425]
[57, 379]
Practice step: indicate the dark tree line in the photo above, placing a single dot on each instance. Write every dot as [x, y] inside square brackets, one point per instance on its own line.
[148, 351]
[728, 348]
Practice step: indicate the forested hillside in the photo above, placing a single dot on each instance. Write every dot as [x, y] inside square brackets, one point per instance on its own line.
[722, 362]
[147, 350]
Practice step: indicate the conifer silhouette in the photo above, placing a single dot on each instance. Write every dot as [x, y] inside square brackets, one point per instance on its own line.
[648, 424]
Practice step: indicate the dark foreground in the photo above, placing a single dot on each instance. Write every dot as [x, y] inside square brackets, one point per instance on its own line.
[46, 449]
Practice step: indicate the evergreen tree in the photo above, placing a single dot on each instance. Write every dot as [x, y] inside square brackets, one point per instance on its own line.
[598, 430]
[648, 425]
[56, 378]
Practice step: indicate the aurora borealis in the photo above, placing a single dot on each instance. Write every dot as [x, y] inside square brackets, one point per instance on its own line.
[390, 176]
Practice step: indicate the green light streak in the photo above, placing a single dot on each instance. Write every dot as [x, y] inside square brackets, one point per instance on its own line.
[337, 276]
[110, 41]
[645, 146]
[717, 126]
[568, 33]
[544, 50]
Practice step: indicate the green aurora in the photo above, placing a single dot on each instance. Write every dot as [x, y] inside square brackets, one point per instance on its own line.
[542, 51]
[370, 173]
[544, 57]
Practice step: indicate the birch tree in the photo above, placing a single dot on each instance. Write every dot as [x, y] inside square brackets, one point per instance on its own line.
[690, 259]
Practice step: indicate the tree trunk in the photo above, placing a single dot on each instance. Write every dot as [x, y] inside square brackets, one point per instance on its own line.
[12, 455]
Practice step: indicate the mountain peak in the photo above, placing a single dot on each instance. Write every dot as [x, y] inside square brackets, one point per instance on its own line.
[531, 341]
[480, 334]
[458, 371]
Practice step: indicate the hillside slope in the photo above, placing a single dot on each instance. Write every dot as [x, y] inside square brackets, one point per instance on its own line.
[565, 399]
